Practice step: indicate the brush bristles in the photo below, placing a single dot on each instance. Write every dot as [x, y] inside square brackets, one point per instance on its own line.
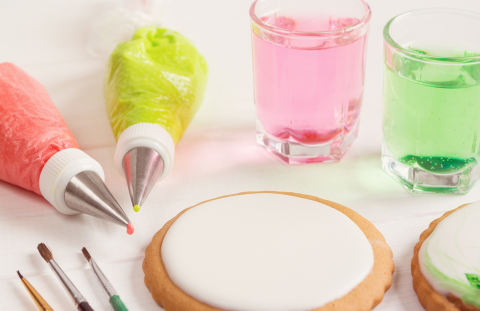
[19, 274]
[45, 252]
[86, 254]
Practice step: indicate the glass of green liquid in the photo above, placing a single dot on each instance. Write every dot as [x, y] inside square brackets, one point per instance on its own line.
[431, 100]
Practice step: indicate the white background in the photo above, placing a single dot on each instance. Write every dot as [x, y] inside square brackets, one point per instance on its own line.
[217, 156]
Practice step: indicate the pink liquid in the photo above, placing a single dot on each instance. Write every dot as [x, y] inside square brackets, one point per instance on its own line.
[309, 95]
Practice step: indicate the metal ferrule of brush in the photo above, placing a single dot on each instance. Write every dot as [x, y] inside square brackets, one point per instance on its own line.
[107, 287]
[70, 288]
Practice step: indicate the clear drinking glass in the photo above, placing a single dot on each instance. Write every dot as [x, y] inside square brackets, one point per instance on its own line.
[309, 66]
[431, 100]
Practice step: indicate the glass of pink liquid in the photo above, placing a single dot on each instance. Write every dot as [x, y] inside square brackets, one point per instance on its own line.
[309, 67]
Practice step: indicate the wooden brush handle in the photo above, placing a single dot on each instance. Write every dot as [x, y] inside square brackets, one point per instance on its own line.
[117, 303]
[84, 306]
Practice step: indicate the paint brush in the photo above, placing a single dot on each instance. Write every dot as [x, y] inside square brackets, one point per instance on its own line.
[79, 301]
[39, 301]
[113, 297]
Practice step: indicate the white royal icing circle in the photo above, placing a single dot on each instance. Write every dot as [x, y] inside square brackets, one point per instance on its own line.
[450, 256]
[268, 252]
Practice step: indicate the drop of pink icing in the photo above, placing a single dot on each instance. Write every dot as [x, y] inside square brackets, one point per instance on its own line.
[130, 228]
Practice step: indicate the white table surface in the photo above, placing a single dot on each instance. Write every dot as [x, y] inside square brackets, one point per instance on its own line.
[217, 156]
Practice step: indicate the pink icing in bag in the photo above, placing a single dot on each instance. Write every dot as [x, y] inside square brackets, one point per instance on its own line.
[31, 128]
[39, 153]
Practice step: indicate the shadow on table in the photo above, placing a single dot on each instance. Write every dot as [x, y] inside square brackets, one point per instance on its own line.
[26, 203]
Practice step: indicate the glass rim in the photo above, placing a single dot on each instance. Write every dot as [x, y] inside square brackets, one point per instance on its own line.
[362, 22]
[394, 44]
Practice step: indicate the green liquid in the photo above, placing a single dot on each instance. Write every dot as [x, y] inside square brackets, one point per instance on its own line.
[431, 114]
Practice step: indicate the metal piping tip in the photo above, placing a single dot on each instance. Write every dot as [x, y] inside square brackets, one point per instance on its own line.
[87, 193]
[142, 167]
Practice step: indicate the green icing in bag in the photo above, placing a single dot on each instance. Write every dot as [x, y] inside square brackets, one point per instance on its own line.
[154, 85]
[157, 77]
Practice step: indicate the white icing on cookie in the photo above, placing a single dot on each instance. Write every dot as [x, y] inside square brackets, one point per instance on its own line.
[451, 255]
[267, 252]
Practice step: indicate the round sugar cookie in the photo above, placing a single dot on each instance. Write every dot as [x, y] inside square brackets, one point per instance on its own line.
[269, 251]
[446, 262]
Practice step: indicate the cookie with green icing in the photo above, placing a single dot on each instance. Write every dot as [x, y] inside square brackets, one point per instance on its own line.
[446, 262]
